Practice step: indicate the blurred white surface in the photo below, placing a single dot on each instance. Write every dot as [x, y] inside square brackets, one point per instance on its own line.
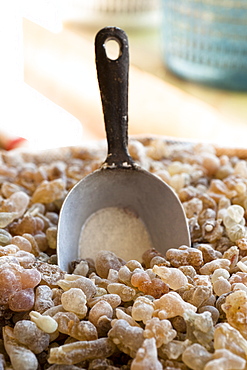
[132, 14]
[24, 111]
[31, 115]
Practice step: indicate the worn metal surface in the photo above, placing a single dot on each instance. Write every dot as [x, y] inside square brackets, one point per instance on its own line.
[120, 182]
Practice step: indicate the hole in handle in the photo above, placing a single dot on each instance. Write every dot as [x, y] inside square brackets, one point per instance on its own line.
[113, 49]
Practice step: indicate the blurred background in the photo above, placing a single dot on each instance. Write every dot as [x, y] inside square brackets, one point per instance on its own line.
[188, 70]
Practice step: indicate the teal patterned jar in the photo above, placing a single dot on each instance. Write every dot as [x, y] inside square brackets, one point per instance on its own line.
[206, 41]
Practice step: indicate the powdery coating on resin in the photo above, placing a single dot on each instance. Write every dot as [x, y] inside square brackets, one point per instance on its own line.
[183, 310]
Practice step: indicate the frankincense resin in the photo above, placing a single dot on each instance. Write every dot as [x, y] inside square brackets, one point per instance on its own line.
[183, 310]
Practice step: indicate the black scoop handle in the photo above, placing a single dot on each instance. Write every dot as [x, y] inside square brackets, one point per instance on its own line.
[113, 84]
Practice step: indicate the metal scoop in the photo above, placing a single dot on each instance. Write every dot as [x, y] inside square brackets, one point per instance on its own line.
[120, 187]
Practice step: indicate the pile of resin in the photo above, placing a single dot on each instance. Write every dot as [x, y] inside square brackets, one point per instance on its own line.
[183, 310]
